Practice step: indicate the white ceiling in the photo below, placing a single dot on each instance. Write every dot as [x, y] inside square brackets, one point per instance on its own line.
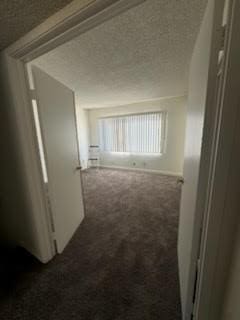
[142, 54]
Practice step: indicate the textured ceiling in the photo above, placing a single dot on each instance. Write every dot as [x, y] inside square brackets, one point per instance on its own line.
[142, 54]
[17, 17]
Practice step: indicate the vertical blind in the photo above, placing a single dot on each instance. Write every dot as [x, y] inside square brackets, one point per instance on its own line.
[138, 133]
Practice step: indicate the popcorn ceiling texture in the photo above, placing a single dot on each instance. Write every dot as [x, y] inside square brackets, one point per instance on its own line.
[142, 54]
[17, 17]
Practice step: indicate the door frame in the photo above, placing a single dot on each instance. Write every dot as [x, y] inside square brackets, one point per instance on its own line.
[206, 170]
[219, 223]
[78, 17]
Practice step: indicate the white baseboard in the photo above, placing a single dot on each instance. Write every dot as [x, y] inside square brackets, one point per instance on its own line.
[168, 173]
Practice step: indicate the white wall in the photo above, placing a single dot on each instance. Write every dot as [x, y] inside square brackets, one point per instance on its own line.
[11, 205]
[231, 306]
[190, 218]
[231, 235]
[172, 160]
[83, 132]
[231, 303]
[17, 226]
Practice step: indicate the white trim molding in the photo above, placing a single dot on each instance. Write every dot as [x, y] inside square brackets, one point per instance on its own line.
[76, 18]
[221, 213]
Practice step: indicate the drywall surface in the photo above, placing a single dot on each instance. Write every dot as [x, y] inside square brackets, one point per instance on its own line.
[231, 306]
[172, 160]
[190, 218]
[15, 224]
[8, 176]
[83, 133]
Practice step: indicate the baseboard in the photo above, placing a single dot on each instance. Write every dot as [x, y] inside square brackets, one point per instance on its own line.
[168, 173]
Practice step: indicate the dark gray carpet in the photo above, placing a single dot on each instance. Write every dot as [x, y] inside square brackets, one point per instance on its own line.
[120, 265]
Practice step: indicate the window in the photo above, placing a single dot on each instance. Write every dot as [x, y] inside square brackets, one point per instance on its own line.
[138, 133]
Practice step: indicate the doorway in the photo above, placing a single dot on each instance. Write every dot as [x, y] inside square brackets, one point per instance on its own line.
[138, 173]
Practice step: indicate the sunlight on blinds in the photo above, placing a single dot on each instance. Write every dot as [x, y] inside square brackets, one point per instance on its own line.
[139, 133]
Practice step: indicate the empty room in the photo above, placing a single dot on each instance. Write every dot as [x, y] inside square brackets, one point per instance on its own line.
[114, 118]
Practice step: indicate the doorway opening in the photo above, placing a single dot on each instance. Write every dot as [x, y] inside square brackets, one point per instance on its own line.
[119, 115]
[130, 125]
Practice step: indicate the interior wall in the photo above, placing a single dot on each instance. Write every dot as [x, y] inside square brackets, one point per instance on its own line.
[8, 176]
[16, 226]
[172, 160]
[231, 305]
[83, 132]
[189, 220]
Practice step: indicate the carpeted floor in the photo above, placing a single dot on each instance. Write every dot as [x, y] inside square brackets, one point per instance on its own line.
[120, 265]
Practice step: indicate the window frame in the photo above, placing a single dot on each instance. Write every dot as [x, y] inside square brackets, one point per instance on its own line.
[163, 137]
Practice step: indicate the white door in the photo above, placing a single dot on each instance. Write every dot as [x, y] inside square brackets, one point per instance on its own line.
[202, 75]
[56, 109]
